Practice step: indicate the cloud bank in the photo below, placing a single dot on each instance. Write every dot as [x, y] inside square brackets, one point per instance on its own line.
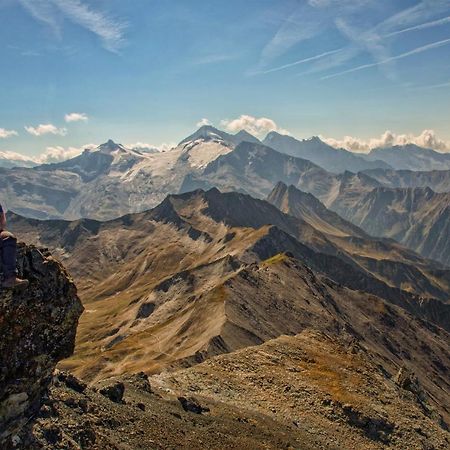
[427, 139]
[14, 156]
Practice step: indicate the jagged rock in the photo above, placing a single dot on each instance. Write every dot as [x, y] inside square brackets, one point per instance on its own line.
[86, 435]
[114, 391]
[72, 382]
[408, 381]
[192, 405]
[140, 381]
[37, 329]
[376, 428]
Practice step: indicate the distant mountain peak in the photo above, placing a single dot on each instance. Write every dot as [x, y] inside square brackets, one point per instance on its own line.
[281, 185]
[210, 133]
[315, 139]
[206, 132]
[110, 146]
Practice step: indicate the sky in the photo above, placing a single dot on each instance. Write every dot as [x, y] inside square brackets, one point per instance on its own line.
[359, 73]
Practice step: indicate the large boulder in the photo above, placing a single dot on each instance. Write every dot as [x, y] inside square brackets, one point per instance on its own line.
[37, 329]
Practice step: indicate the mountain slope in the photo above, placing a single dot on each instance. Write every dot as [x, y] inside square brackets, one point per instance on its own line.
[414, 217]
[366, 250]
[305, 206]
[438, 180]
[419, 218]
[255, 169]
[411, 157]
[209, 217]
[340, 382]
[360, 373]
[310, 362]
[335, 160]
[155, 285]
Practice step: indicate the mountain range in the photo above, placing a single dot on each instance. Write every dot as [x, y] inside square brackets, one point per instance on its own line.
[411, 157]
[359, 371]
[112, 180]
[419, 218]
[303, 307]
[166, 271]
[9, 161]
[284, 284]
[438, 180]
[334, 160]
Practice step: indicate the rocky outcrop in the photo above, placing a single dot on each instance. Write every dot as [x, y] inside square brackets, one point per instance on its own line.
[37, 329]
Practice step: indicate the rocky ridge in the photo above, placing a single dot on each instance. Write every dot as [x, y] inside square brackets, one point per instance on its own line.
[37, 329]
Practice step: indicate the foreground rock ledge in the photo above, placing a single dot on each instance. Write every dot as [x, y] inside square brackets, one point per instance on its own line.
[37, 329]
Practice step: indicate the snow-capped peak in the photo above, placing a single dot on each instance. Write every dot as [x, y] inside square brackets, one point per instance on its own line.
[206, 133]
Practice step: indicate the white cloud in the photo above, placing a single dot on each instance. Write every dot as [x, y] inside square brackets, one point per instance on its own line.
[144, 146]
[51, 13]
[58, 153]
[76, 117]
[427, 139]
[50, 155]
[203, 122]
[48, 128]
[256, 126]
[7, 133]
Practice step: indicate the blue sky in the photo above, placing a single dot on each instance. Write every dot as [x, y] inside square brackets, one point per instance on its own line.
[150, 70]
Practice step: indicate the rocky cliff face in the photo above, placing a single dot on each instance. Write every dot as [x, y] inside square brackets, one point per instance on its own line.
[37, 329]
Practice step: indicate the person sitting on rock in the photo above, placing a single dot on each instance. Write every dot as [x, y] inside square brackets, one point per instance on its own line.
[8, 249]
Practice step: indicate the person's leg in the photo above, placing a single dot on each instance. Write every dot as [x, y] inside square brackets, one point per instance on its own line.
[8, 245]
[9, 253]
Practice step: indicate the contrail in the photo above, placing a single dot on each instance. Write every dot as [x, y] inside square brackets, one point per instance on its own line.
[422, 49]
